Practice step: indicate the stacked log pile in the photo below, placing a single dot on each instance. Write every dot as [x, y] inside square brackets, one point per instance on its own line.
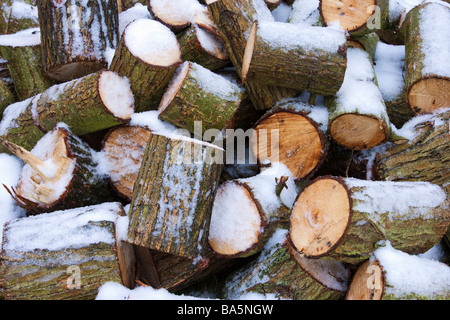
[167, 143]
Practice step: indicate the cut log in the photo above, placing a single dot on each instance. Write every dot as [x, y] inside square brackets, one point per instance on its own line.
[22, 50]
[19, 124]
[280, 273]
[76, 36]
[344, 218]
[424, 157]
[246, 212]
[367, 41]
[203, 47]
[234, 20]
[123, 148]
[386, 276]
[173, 195]
[65, 255]
[16, 15]
[92, 103]
[293, 133]
[148, 61]
[197, 95]
[427, 71]
[292, 56]
[358, 116]
[59, 174]
[6, 97]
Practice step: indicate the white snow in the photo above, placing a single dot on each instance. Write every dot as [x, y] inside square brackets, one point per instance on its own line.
[25, 38]
[389, 63]
[305, 12]
[23, 10]
[181, 11]
[138, 11]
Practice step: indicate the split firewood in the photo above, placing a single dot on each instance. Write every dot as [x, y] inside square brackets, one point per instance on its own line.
[293, 133]
[76, 36]
[201, 46]
[344, 218]
[387, 276]
[303, 58]
[234, 20]
[173, 195]
[281, 273]
[247, 211]
[65, 255]
[17, 15]
[358, 116]
[427, 71]
[92, 103]
[197, 94]
[148, 61]
[22, 50]
[59, 173]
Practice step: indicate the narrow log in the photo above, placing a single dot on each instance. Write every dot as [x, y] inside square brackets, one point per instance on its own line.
[92, 103]
[203, 47]
[197, 94]
[427, 72]
[173, 195]
[386, 276]
[234, 20]
[358, 116]
[22, 50]
[413, 216]
[65, 255]
[280, 273]
[291, 56]
[149, 62]
[59, 174]
[76, 36]
[293, 133]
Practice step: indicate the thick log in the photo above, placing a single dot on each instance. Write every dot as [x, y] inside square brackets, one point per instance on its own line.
[60, 173]
[344, 218]
[202, 46]
[234, 20]
[293, 133]
[65, 255]
[247, 211]
[386, 276]
[22, 50]
[18, 15]
[197, 95]
[173, 195]
[92, 103]
[76, 35]
[280, 273]
[291, 56]
[149, 62]
[358, 116]
[427, 72]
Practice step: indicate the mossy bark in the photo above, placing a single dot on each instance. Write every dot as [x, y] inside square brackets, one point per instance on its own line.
[6, 97]
[368, 42]
[234, 20]
[9, 23]
[173, 196]
[75, 38]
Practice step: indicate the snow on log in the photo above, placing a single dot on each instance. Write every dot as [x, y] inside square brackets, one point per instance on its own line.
[198, 95]
[305, 12]
[148, 54]
[293, 133]
[173, 195]
[60, 173]
[427, 71]
[76, 35]
[358, 116]
[387, 275]
[303, 58]
[344, 218]
[67, 254]
[17, 15]
[280, 273]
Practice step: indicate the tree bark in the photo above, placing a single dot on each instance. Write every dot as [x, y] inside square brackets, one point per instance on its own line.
[413, 216]
[72, 266]
[75, 37]
[149, 73]
[193, 96]
[13, 20]
[6, 97]
[234, 20]
[173, 196]
[274, 56]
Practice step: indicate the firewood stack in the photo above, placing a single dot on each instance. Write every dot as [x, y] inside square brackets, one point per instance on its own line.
[221, 140]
